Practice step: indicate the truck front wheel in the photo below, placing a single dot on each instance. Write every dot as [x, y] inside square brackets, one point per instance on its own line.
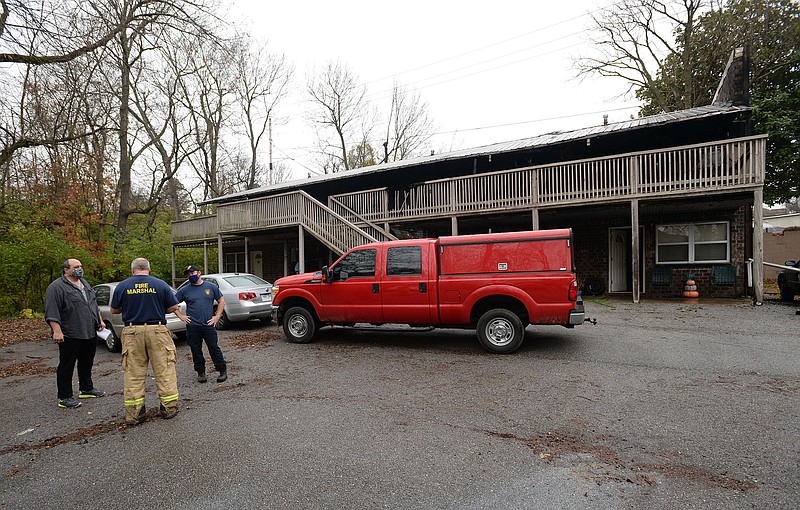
[500, 331]
[299, 325]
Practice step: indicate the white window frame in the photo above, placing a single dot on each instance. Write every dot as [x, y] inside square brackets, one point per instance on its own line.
[692, 243]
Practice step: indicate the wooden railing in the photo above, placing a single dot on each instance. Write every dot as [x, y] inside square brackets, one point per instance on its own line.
[679, 170]
[291, 209]
[360, 221]
[195, 229]
[689, 170]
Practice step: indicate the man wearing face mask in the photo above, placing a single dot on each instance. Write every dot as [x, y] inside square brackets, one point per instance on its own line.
[201, 322]
[71, 312]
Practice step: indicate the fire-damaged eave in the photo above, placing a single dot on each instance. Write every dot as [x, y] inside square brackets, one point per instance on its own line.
[727, 114]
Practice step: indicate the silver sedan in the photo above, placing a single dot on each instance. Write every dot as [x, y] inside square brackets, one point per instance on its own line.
[104, 292]
[246, 297]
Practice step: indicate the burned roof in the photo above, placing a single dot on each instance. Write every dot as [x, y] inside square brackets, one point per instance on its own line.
[523, 144]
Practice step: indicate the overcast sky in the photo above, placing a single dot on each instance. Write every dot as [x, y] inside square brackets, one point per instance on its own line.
[490, 71]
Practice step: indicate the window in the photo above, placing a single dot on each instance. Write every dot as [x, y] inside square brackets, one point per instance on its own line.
[234, 262]
[404, 260]
[358, 263]
[103, 295]
[692, 243]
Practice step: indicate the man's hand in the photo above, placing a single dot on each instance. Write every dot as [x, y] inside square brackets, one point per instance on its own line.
[58, 337]
[102, 325]
[213, 320]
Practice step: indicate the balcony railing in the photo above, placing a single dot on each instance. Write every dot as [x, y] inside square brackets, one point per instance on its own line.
[195, 229]
[681, 170]
[695, 169]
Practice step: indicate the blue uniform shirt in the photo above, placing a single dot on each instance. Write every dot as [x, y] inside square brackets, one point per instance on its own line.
[199, 301]
[143, 298]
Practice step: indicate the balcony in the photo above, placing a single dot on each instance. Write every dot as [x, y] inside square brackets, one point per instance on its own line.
[731, 165]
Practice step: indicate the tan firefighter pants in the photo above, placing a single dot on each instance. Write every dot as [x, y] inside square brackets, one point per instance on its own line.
[141, 344]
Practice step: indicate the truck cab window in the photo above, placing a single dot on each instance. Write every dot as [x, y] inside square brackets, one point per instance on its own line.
[358, 263]
[404, 261]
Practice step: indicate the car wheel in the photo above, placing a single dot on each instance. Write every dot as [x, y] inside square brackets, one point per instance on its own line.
[299, 325]
[223, 322]
[113, 343]
[500, 331]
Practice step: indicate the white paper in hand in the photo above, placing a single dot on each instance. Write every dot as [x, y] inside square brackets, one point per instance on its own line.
[103, 334]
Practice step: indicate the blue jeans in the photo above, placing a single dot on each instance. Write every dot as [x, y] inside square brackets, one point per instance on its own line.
[194, 337]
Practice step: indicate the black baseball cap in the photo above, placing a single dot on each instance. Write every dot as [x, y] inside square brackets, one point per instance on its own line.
[191, 269]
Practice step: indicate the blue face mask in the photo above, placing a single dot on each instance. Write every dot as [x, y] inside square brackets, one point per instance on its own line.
[194, 278]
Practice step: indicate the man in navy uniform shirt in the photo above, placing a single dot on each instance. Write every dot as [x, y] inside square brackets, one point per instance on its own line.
[201, 322]
[143, 301]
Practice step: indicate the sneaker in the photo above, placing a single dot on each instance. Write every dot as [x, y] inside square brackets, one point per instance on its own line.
[223, 375]
[201, 377]
[94, 393]
[168, 413]
[68, 403]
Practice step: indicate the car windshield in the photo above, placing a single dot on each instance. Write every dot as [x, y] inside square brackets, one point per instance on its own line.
[243, 280]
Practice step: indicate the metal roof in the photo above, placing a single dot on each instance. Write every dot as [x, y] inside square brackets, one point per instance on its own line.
[553, 138]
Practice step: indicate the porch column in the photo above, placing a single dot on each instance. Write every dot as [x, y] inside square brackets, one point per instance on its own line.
[454, 225]
[219, 254]
[246, 255]
[173, 265]
[635, 262]
[758, 246]
[205, 257]
[301, 249]
[535, 219]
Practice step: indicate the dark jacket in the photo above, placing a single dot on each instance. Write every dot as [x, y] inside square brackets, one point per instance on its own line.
[79, 318]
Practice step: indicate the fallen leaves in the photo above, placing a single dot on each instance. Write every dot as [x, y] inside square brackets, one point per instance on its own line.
[14, 331]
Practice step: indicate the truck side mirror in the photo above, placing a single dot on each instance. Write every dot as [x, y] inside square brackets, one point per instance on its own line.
[326, 277]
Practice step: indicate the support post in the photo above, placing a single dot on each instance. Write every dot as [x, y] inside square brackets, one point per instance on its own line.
[205, 257]
[758, 246]
[635, 262]
[220, 259]
[453, 225]
[301, 249]
[535, 219]
[173, 265]
[246, 254]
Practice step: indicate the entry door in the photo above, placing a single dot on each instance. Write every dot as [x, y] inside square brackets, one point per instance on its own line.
[620, 271]
[620, 251]
[256, 264]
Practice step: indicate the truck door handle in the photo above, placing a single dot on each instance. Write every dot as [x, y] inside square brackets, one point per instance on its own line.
[423, 287]
[375, 288]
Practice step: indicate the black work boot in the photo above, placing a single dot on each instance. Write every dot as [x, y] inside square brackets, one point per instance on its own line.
[201, 377]
[223, 375]
[168, 413]
[137, 419]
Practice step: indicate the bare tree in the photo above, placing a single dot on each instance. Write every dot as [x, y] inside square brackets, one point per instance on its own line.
[208, 96]
[262, 80]
[633, 37]
[63, 31]
[408, 127]
[339, 110]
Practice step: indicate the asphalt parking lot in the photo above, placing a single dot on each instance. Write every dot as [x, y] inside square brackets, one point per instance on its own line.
[659, 405]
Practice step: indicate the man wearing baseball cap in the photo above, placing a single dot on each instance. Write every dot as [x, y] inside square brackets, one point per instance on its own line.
[201, 321]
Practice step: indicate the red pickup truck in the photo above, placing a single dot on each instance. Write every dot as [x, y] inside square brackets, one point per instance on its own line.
[494, 283]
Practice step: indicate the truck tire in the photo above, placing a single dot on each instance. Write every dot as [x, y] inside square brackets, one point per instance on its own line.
[500, 331]
[299, 326]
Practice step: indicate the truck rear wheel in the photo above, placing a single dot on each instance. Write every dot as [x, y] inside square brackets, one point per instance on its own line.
[299, 325]
[500, 331]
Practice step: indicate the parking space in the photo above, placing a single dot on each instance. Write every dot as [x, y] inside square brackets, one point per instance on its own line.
[659, 405]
